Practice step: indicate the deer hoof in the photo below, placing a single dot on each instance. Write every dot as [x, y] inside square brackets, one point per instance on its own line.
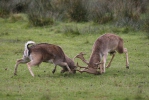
[53, 71]
[97, 73]
[62, 71]
[127, 67]
[108, 66]
[15, 74]
[70, 72]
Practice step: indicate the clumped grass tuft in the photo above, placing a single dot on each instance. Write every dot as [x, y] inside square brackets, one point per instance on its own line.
[87, 41]
[39, 21]
[100, 11]
[4, 34]
[146, 27]
[39, 13]
[76, 11]
[16, 17]
[45, 97]
[124, 30]
[71, 30]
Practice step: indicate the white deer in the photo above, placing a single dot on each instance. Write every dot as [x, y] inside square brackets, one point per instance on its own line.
[107, 43]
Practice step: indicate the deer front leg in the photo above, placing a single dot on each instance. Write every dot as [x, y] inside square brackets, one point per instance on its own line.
[65, 64]
[54, 69]
[100, 66]
[104, 63]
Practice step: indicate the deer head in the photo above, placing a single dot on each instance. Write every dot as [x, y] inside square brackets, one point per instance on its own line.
[89, 68]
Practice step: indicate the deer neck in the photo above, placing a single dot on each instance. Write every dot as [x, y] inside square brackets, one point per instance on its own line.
[69, 61]
[94, 59]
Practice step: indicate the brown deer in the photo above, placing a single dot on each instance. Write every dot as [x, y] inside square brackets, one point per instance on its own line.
[34, 54]
[107, 43]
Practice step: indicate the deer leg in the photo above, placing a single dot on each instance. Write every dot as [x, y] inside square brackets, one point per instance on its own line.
[126, 53]
[100, 66]
[109, 64]
[68, 68]
[29, 68]
[54, 69]
[104, 63]
[65, 64]
[32, 63]
[20, 61]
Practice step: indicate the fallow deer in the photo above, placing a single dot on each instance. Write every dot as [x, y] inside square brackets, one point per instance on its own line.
[34, 54]
[107, 43]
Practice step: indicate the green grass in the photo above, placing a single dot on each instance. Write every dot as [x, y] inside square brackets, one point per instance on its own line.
[118, 83]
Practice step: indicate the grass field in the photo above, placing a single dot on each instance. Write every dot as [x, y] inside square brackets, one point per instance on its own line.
[118, 83]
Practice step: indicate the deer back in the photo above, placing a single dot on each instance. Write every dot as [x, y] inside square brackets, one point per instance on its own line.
[47, 51]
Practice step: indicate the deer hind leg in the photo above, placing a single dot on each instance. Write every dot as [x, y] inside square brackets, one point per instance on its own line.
[36, 61]
[30, 70]
[20, 61]
[29, 65]
[126, 53]
[109, 64]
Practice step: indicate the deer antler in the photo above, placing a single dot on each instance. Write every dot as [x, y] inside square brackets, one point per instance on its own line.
[81, 66]
[90, 70]
[80, 55]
